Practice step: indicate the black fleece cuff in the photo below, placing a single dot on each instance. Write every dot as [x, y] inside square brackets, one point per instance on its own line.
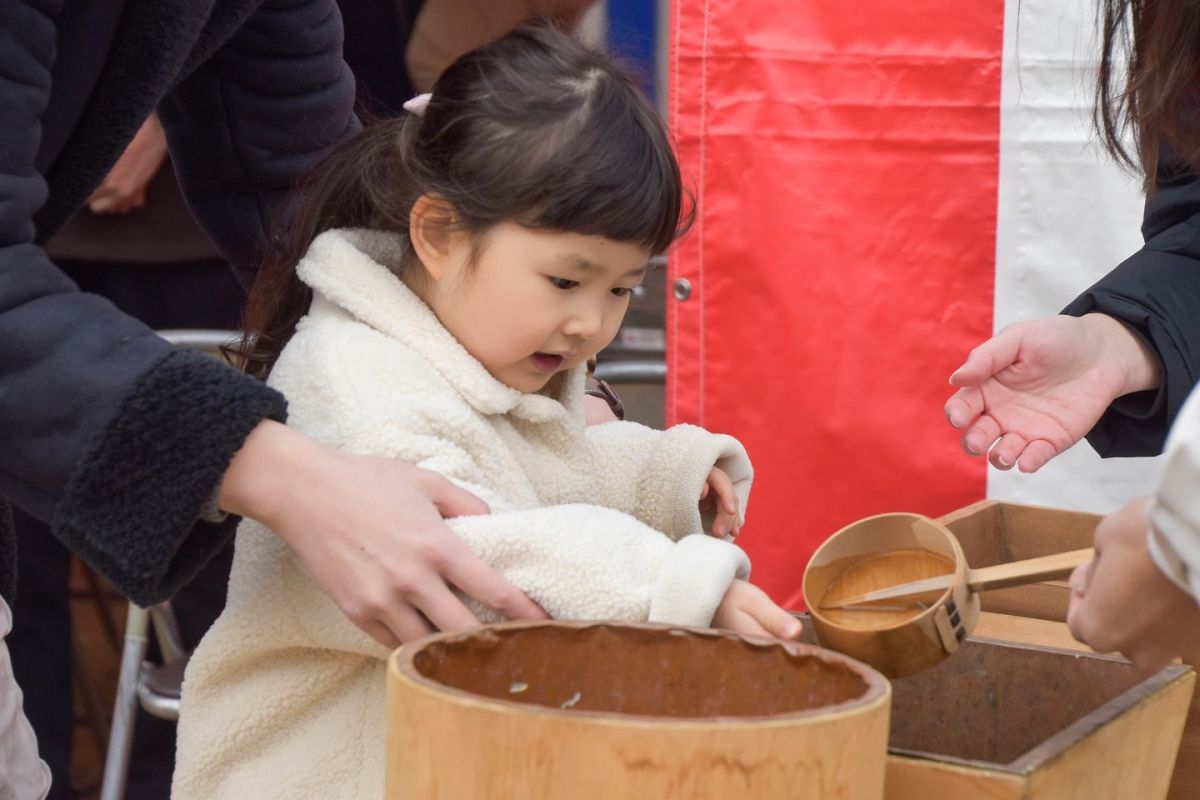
[131, 509]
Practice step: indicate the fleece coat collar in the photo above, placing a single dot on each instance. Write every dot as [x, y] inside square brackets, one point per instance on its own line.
[356, 270]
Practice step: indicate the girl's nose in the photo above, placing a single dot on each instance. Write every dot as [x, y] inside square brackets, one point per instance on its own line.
[586, 324]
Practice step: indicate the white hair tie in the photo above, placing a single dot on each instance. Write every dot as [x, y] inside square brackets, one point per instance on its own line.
[417, 105]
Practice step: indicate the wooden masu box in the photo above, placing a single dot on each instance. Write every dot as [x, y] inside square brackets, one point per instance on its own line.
[1007, 720]
[992, 532]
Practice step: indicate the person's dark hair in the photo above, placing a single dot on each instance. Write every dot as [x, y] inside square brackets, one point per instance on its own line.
[534, 128]
[1147, 84]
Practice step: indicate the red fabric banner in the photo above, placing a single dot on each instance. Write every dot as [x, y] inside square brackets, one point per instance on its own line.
[844, 161]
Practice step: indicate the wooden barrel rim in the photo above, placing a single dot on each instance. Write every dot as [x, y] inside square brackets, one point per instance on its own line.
[960, 567]
[878, 689]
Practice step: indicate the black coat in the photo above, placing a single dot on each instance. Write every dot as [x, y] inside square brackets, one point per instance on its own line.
[1156, 292]
[115, 438]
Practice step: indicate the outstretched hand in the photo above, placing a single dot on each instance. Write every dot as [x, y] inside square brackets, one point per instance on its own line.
[1036, 388]
[370, 533]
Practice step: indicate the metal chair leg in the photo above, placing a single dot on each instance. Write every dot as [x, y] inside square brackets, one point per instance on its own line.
[116, 762]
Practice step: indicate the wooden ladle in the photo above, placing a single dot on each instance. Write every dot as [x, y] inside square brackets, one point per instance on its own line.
[856, 583]
[1000, 576]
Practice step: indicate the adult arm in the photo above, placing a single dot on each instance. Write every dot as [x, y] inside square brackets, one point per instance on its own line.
[1155, 293]
[255, 116]
[110, 434]
[1115, 369]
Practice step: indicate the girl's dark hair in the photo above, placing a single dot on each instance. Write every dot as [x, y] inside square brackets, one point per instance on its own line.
[1153, 96]
[534, 128]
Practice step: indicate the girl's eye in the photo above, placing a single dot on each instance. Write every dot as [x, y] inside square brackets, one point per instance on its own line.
[622, 291]
[563, 283]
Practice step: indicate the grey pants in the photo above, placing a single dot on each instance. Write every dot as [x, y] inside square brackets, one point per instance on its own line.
[23, 776]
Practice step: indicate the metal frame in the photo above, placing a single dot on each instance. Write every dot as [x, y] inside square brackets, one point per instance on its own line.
[132, 689]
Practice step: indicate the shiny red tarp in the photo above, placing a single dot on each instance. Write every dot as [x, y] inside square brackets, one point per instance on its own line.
[844, 159]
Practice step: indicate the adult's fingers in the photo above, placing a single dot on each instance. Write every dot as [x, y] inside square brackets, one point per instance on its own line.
[978, 438]
[482, 583]
[1037, 454]
[988, 358]
[963, 406]
[1007, 451]
[440, 606]
[452, 500]
[383, 634]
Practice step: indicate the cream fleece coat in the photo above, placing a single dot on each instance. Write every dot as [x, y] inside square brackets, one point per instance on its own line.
[1175, 510]
[284, 698]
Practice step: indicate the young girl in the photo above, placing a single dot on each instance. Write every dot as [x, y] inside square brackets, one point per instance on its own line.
[463, 264]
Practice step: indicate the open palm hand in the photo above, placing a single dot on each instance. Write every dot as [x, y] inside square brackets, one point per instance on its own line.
[1036, 388]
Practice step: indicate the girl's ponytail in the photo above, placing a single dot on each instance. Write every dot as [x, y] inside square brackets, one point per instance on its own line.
[360, 184]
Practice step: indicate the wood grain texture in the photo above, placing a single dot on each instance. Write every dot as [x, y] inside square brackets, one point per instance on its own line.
[911, 641]
[453, 744]
[919, 779]
[1132, 756]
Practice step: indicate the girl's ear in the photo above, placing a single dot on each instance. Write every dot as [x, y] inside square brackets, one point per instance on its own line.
[431, 229]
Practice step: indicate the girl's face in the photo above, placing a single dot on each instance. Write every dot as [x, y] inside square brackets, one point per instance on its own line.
[534, 303]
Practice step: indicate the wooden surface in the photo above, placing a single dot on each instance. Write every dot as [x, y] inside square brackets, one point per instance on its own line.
[1000, 576]
[1035, 721]
[1130, 757]
[928, 573]
[920, 779]
[1011, 628]
[445, 743]
[992, 532]
[912, 641]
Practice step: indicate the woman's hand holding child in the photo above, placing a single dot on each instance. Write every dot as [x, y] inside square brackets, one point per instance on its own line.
[370, 533]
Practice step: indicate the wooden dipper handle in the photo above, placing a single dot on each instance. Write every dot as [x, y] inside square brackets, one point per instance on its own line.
[1015, 573]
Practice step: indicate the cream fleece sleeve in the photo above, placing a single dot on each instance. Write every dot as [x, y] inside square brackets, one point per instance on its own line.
[578, 561]
[1174, 538]
[657, 475]
[589, 562]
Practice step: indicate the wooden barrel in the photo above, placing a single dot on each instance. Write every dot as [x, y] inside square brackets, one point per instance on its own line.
[609, 710]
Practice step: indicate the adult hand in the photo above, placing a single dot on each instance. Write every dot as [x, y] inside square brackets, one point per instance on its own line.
[1036, 388]
[748, 610]
[124, 188]
[370, 532]
[1122, 601]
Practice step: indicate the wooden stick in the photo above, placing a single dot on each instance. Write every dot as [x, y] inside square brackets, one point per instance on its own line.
[1058, 565]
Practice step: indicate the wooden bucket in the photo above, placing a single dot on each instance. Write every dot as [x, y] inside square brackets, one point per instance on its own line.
[609, 710]
[883, 551]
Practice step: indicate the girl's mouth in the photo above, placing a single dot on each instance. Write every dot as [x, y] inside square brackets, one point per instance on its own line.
[546, 362]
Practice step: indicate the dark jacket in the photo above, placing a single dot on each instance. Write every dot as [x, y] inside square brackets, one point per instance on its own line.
[115, 438]
[1156, 292]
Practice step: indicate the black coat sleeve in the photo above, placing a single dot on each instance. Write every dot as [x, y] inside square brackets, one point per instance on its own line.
[106, 431]
[255, 116]
[1156, 293]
